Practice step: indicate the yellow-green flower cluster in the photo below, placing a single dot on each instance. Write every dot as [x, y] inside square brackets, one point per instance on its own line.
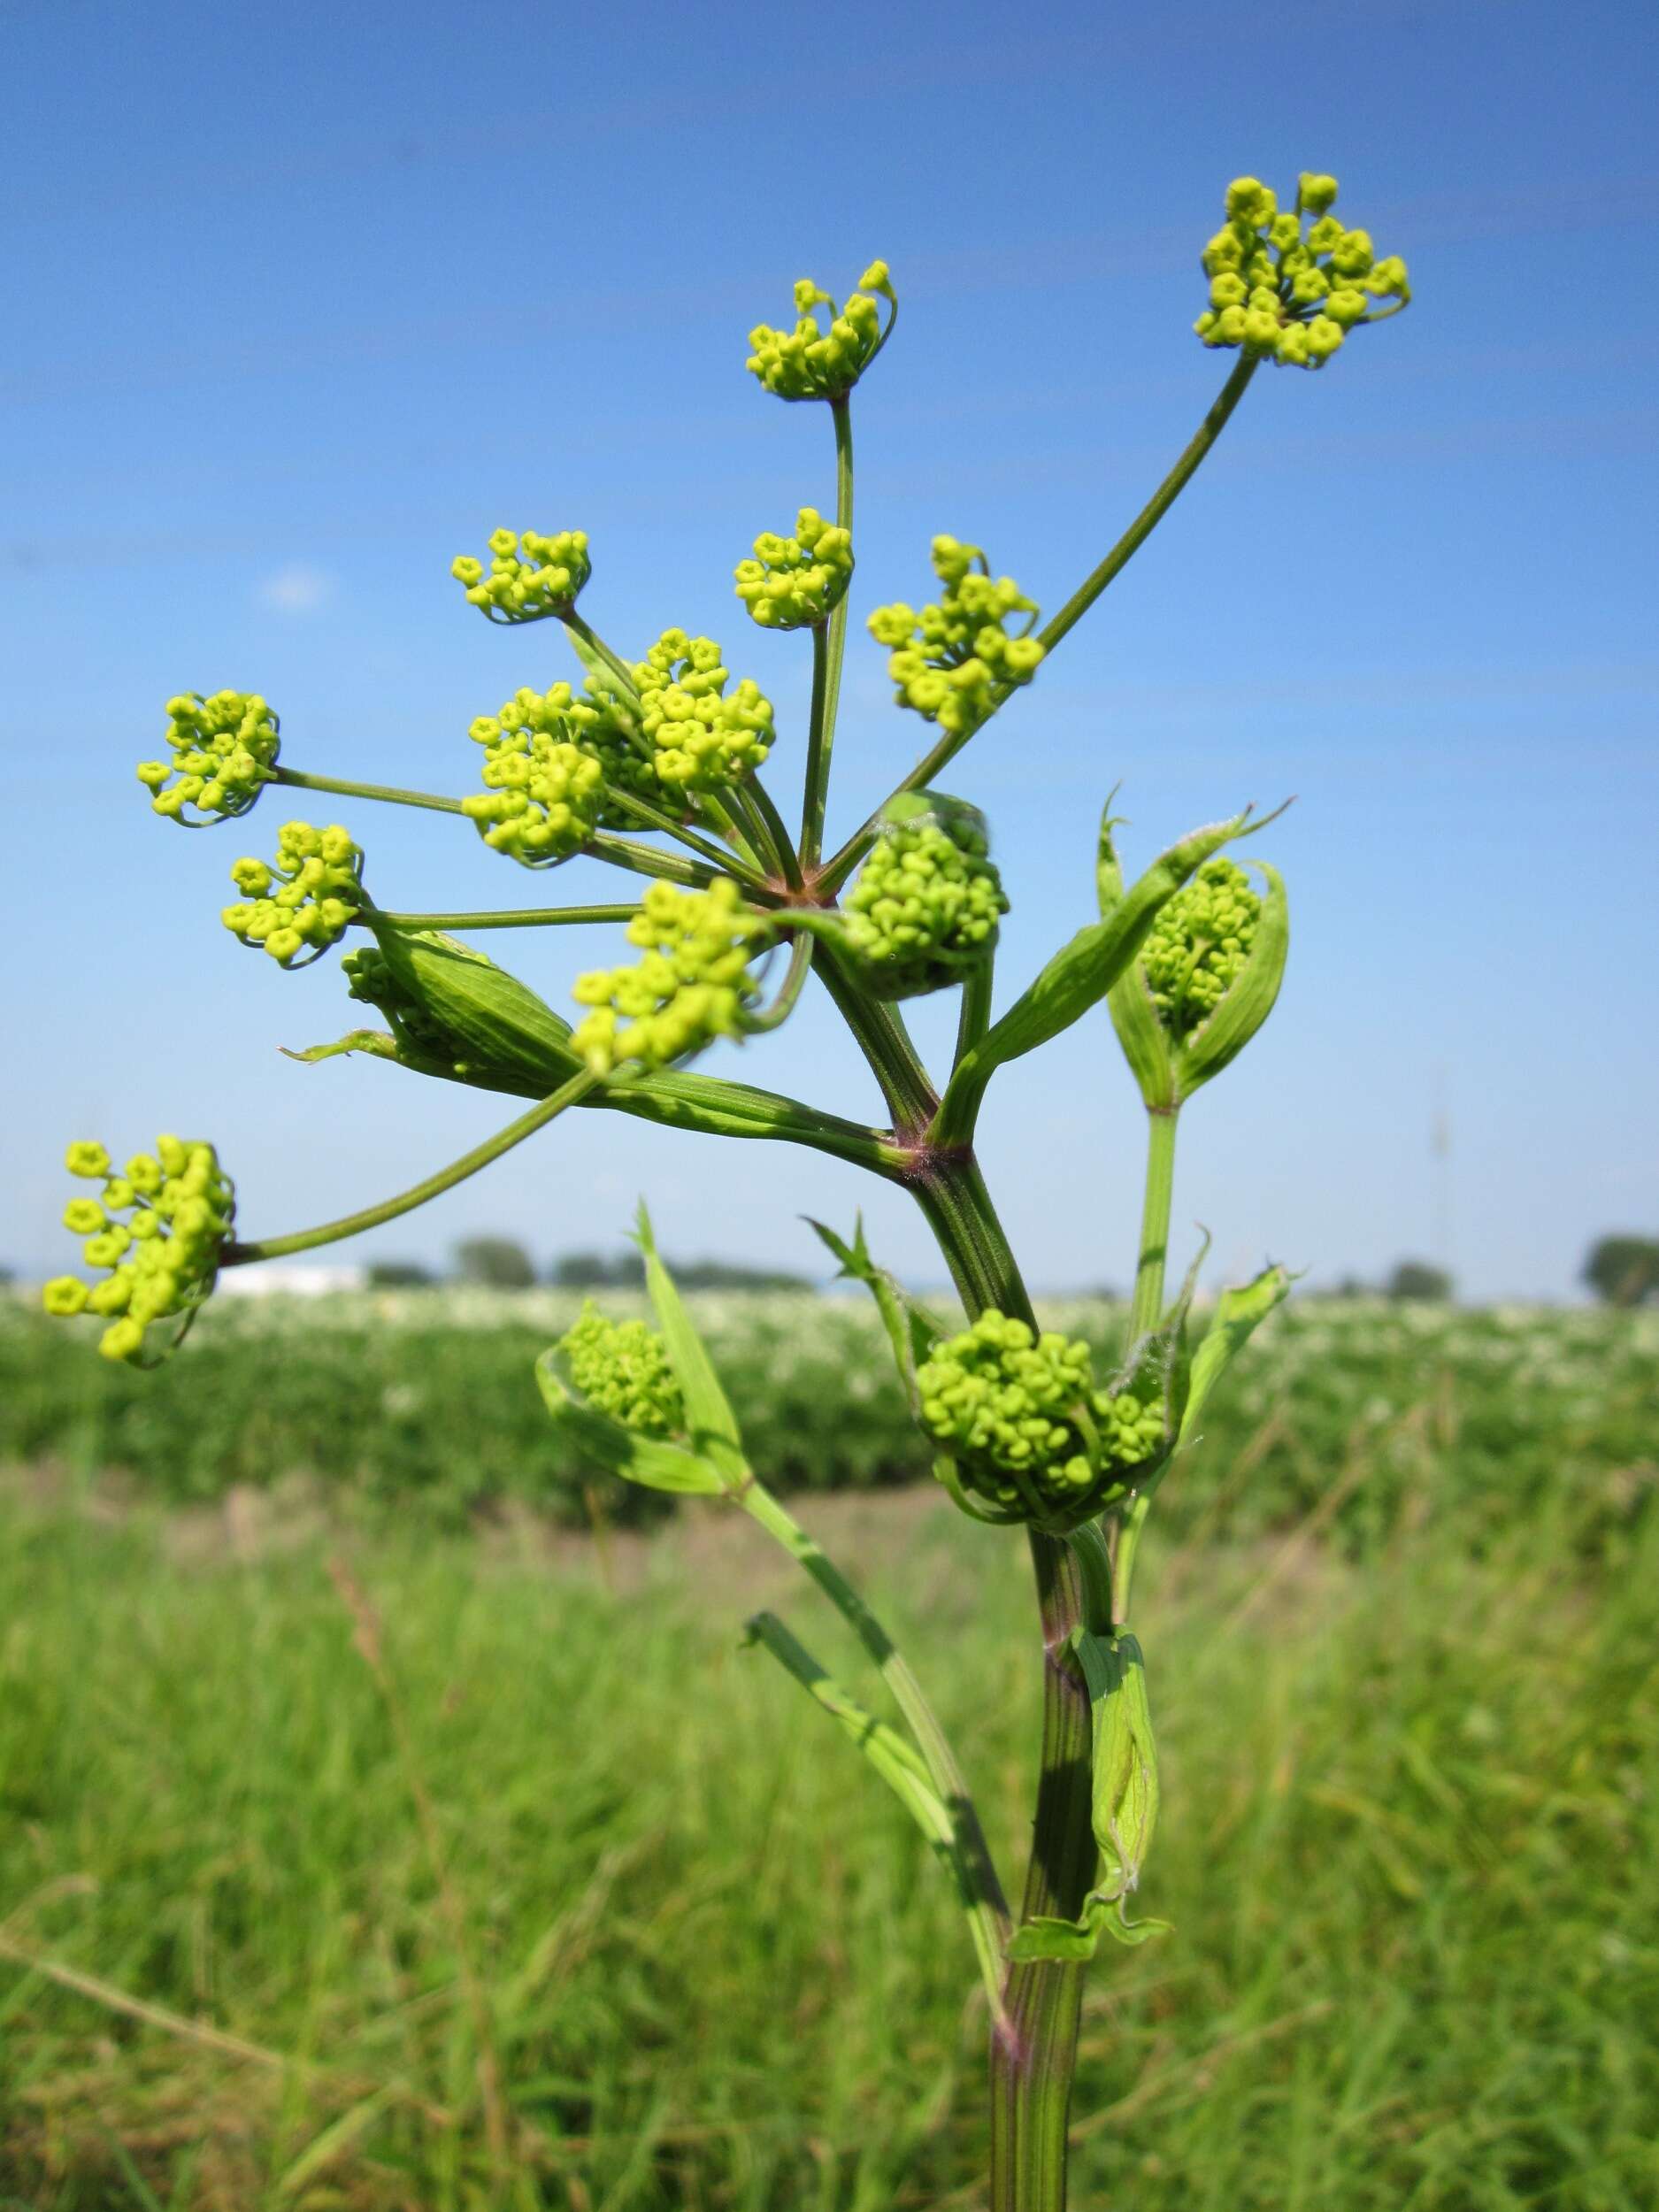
[305, 900]
[1292, 286]
[692, 986]
[950, 660]
[596, 720]
[159, 1229]
[794, 583]
[926, 903]
[621, 1368]
[530, 575]
[1199, 944]
[1020, 1418]
[813, 362]
[702, 739]
[545, 793]
[223, 751]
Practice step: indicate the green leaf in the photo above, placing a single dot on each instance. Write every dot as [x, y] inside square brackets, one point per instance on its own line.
[1144, 1039]
[1124, 1803]
[1066, 1940]
[377, 1042]
[912, 1333]
[1238, 1312]
[709, 1416]
[646, 1460]
[1077, 978]
[1163, 1352]
[479, 1022]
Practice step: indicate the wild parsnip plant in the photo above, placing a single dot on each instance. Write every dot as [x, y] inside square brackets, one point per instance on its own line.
[655, 765]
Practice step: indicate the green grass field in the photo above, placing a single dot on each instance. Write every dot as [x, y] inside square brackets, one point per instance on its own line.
[569, 1902]
[1377, 1416]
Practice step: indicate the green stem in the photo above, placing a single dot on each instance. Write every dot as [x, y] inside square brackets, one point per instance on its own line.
[750, 866]
[1147, 1309]
[1162, 500]
[1076, 607]
[800, 967]
[973, 1017]
[817, 786]
[1032, 2067]
[778, 835]
[764, 828]
[829, 652]
[988, 1908]
[650, 817]
[1145, 1312]
[613, 661]
[885, 1044]
[386, 793]
[650, 860]
[522, 917]
[389, 1209]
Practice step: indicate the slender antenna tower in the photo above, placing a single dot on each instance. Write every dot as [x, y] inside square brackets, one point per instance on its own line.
[1441, 1152]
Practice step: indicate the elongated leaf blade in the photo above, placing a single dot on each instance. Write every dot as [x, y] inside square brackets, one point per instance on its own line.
[912, 1330]
[709, 1416]
[1125, 1797]
[1238, 1313]
[646, 1460]
[1078, 976]
[1069, 1940]
[1135, 1017]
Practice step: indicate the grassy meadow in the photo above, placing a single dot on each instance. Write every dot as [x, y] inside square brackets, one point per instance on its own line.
[384, 1859]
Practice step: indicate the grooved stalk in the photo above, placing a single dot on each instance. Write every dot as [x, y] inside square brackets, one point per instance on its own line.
[1032, 2069]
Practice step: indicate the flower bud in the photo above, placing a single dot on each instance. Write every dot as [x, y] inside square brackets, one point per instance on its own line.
[317, 894]
[1286, 293]
[453, 1012]
[1024, 1430]
[702, 738]
[622, 1368]
[796, 583]
[162, 1259]
[924, 909]
[813, 362]
[955, 660]
[530, 575]
[1206, 978]
[224, 751]
[544, 793]
[692, 985]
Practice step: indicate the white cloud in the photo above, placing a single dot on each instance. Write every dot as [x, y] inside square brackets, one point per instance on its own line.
[296, 589]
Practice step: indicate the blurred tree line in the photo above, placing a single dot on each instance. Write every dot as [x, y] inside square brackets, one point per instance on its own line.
[503, 1263]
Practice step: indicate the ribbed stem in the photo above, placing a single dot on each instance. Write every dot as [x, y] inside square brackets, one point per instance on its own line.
[650, 860]
[885, 1044]
[514, 918]
[1032, 2067]
[387, 794]
[1148, 1305]
[829, 648]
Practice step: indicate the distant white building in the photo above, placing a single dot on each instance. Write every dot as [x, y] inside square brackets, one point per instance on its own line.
[291, 1279]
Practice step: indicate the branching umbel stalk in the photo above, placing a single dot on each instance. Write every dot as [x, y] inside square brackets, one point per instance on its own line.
[653, 767]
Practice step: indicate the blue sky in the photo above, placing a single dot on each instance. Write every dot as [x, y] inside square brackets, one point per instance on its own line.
[304, 302]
